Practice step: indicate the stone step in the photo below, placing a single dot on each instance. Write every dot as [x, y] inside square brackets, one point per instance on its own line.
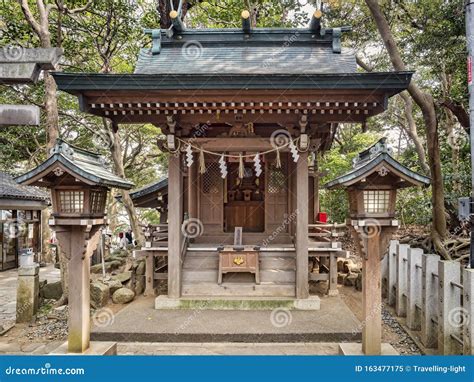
[266, 262]
[237, 290]
[213, 254]
[266, 275]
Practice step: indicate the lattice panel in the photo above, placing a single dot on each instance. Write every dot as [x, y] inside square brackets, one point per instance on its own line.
[276, 181]
[211, 179]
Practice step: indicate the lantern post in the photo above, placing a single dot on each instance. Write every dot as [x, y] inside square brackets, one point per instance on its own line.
[79, 183]
[372, 187]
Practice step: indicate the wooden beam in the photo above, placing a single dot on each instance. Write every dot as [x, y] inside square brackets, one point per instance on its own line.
[301, 239]
[175, 215]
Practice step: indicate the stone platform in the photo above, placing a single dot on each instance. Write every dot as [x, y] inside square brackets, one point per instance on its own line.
[140, 322]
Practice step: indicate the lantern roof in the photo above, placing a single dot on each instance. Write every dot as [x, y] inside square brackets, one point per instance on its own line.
[378, 159]
[84, 165]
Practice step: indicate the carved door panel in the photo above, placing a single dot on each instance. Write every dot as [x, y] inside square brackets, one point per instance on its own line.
[211, 199]
[276, 196]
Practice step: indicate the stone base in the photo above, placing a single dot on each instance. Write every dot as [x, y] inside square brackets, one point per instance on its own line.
[351, 348]
[95, 348]
[310, 303]
[164, 302]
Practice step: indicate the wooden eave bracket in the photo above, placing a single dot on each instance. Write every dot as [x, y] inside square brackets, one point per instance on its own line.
[336, 40]
[156, 41]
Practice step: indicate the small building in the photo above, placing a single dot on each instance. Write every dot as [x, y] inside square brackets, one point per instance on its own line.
[244, 111]
[20, 221]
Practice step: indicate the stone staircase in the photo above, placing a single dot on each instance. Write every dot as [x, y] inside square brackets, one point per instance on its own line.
[277, 276]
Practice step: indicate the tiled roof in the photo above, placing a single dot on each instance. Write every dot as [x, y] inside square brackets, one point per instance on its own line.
[9, 189]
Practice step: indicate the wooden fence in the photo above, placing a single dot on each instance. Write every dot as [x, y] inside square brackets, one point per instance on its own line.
[435, 296]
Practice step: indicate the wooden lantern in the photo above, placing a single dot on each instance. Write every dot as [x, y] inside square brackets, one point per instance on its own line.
[372, 190]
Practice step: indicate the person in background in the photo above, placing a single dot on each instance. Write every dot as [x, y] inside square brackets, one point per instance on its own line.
[129, 236]
[123, 241]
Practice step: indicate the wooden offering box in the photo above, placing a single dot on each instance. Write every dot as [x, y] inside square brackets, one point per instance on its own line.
[239, 259]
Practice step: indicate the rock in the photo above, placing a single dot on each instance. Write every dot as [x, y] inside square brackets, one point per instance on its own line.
[52, 290]
[109, 266]
[119, 259]
[358, 282]
[340, 265]
[99, 295]
[120, 253]
[139, 285]
[350, 279]
[340, 278]
[141, 267]
[123, 296]
[123, 277]
[113, 285]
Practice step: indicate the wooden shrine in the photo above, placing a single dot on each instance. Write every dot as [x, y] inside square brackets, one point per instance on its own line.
[243, 119]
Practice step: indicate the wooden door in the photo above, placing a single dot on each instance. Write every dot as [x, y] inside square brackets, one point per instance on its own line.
[211, 199]
[276, 194]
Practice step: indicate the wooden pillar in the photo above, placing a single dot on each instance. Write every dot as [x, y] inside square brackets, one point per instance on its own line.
[78, 243]
[192, 192]
[301, 237]
[149, 275]
[372, 294]
[175, 215]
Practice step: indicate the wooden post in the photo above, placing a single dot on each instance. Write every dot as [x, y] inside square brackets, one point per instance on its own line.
[449, 307]
[468, 305]
[392, 272]
[429, 300]
[192, 191]
[302, 283]
[333, 276]
[149, 275]
[372, 294]
[175, 214]
[402, 266]
[78, 244]
[414, 288]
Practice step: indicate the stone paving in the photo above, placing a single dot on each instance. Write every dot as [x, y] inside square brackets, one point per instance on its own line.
[8, 283]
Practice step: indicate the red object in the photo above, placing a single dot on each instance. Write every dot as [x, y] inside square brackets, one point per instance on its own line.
[322, 217]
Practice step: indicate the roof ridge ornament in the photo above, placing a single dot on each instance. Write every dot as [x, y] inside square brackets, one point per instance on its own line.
[62, 147]
[380, 147]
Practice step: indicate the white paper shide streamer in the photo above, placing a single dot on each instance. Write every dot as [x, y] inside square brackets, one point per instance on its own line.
[294, 151]
[258, 165]
[223, 167]
[189, 156]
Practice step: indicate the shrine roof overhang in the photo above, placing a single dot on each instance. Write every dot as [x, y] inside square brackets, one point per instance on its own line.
[406, 176]
[84, 165]
[139, 98]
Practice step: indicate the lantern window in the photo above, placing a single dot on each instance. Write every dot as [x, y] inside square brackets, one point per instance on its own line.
[376, 201]
[97, 203]
[71, 201]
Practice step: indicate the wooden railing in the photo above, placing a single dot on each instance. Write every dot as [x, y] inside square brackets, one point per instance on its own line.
[156, 235]
[326, 231]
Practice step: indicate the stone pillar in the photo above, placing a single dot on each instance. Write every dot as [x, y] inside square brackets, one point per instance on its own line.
[402, 285]
[449, 307]
[175, 215]
[414, 288]
[301, 242]
[429, 300]
[468, 305]
[27, 293]
[371, 293]
[392, 271]
[149, 275]
[332, 291]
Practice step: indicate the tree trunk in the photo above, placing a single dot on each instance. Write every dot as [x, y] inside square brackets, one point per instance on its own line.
[117, 157]
[427, 106]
